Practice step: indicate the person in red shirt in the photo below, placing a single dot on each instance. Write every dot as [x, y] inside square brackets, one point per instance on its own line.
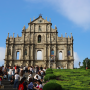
[15, 69]
[21, 86]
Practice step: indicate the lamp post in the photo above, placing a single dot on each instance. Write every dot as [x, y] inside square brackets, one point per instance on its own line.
[86, 62]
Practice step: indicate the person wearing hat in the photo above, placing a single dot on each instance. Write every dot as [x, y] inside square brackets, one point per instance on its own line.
[39, 85]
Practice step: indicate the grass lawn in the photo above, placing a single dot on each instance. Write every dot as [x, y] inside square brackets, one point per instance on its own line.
[73, 79]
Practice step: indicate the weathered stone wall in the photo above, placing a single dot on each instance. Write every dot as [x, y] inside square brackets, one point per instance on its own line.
[29, 42]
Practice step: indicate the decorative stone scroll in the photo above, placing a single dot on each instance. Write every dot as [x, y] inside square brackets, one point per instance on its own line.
[60, 39]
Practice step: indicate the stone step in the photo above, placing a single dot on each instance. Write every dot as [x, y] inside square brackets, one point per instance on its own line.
[5, 83]
[8, 86]
[8, 89]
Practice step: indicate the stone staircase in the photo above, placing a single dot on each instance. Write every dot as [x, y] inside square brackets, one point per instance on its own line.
[7, 85]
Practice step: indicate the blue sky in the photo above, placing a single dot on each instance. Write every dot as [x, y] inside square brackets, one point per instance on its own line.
[70, 16]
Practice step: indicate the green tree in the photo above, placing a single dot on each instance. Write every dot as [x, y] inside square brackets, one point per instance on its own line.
[84, 64]
[79, 64]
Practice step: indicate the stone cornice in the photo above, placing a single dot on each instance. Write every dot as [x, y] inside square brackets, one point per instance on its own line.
[39, 32]
[39, 60]
[39, 44]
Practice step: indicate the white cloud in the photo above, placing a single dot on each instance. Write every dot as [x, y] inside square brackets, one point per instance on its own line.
[2, 55]
[78, 11]
[76, 60]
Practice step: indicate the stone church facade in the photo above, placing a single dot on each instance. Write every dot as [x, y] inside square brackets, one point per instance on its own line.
[40, 36]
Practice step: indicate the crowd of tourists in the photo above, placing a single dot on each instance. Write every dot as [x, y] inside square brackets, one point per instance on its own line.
[16, 76]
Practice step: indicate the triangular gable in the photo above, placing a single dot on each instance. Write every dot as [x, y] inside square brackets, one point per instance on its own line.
[39, 20]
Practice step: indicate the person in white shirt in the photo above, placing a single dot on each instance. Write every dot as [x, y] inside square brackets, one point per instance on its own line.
[16, 82]
[30, 69]
[39, 77]
[30, 76]
[44, 69]
[24, 68]
[9, 73]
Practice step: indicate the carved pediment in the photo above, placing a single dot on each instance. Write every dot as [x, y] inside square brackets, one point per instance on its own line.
[39, 20]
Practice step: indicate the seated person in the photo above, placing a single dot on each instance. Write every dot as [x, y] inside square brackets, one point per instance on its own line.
[12, 80]
[39, 85]
[5, 76]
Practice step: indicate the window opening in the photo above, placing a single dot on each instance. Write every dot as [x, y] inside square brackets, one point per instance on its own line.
[18, 53]
[60, 55]
[68, 52]
[39, 38]
[39, 55]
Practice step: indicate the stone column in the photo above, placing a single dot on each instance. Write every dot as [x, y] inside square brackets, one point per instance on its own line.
[12, 52]
[31, 63]
[27, 64]
[44, 63]
[50, 54]
[71, 50]
[21, 63]
[66, 65]
[10, 63]
[55, 56]
[45, 53]
[5, 63]
[22, 52]
[66, 50]
[32, 52]
[6, 54]
[28, 51]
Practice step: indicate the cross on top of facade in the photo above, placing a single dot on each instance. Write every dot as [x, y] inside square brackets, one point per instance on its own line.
[40, 14]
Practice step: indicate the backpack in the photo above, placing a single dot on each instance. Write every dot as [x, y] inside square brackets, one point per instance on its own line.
[21, 87]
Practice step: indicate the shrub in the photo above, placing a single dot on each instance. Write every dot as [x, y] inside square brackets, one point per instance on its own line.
[49, 69]
[49, 76]
[52, 86]
[49, 72]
